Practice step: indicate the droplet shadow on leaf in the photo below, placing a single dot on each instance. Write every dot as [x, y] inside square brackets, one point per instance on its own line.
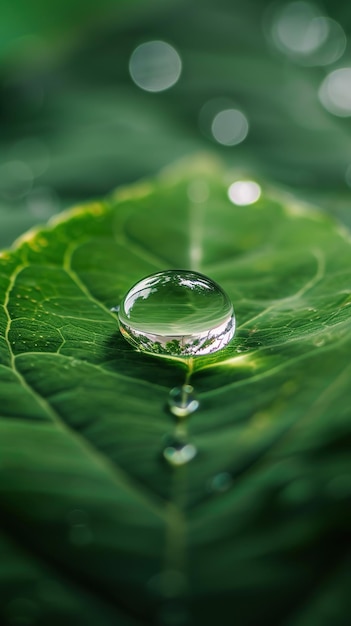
[121, 357]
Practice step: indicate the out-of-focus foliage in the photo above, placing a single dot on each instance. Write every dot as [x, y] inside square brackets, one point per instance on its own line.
[74, 124]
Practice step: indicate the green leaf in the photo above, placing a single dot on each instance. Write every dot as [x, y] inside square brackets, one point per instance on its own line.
[95, 527]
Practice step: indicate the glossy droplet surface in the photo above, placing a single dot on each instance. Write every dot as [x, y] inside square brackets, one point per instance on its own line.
[182, 401]
[177, 312]
[179, 452]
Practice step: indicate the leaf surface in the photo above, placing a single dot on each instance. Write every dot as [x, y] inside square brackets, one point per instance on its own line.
[95, 526]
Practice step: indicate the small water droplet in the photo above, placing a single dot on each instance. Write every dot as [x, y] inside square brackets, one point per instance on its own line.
[178, 313]
[179, 452]
[115, 309]
[182, 401]
[221, 482]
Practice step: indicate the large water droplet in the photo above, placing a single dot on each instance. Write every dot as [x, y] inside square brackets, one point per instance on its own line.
[179, 452]
[177, 312]
[182, 401]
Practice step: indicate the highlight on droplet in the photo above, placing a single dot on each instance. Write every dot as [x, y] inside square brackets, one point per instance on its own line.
[178, 452]
[244, 192]
[182, 401]
[155, 66]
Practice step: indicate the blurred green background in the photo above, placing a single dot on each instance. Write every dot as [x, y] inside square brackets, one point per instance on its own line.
[90, 98]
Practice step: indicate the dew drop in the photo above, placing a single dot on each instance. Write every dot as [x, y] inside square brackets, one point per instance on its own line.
[178, 313]
[182, 401]
[220, 483]
[179, 452]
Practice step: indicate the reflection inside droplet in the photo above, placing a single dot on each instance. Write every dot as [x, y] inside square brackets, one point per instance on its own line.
[155, 66]
[182, 401]
[177, 313]
[244, 192]
[179, 452]
[335, 92]
[230, 127]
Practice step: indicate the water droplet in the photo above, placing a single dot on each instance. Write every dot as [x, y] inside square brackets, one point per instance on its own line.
[182, 401]
[179, 452]
[177, 312]
[115, 309]
[221, 482]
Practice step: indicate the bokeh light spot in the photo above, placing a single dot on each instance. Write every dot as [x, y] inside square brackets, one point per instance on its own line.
[302, 32]
[230, 127]
[244, 192]
[299, 28]
[155, 66]
[335, 92]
